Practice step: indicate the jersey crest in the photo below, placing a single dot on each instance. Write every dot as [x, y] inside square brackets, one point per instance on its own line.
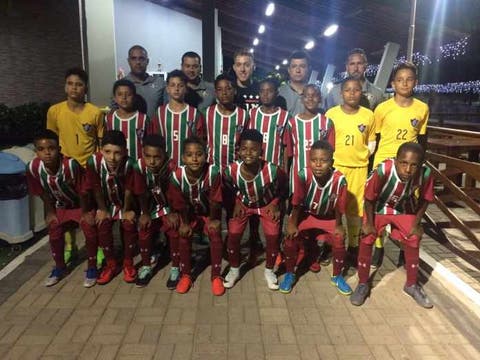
[87, 127]
[362, 128]
[414, 122]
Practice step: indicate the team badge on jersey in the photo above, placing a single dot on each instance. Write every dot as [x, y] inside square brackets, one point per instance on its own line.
[332, 197]
[323, 134]
[239, 128]
[280, 129]
[87, 127]
[414, 122]
[362, 128]
[140, 133]
[190, 124]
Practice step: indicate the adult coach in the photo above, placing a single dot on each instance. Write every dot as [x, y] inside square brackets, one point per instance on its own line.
[200, 93]
[149, 88]
[292, 91]
[247, 90]
[355, 66]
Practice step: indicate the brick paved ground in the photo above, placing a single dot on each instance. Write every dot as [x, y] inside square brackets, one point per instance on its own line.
[120, 321]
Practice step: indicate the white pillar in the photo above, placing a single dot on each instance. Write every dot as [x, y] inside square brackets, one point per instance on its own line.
[100, 49]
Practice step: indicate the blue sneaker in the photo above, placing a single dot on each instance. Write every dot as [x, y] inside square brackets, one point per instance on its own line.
[55, 276]
[90, 277]
[287, 283]
[341, 285]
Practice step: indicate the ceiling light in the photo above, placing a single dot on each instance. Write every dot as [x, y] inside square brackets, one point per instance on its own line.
[309, 45]
[255, 41]
[284, 62]
[261, 29]
[251, 50]
[330, 30]
[277, 67]
[270, 9]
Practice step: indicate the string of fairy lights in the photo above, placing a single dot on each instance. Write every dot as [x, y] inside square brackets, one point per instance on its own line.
[449, 51]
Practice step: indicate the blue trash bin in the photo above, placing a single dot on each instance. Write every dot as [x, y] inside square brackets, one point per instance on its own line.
[14, 206]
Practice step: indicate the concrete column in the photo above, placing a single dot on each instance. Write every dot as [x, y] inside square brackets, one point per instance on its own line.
[208, 39]
[100, 49]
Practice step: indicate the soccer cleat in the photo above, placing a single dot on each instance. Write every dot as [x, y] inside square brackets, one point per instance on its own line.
[144, 276]
[377, 258]
[100, 257]
[107, 274]
[272, 281]
[341, 285]
[184, 284]
[315, 267]
[359, 295]
[232, 277]
[217, 286]
[287, 283]
[90, 277]
[417, 293]
[55, 276]
[129, 273]
[173, 278]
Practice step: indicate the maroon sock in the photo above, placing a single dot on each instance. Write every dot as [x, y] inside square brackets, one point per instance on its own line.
[145, 245]
[290, 250]
[185, 245]
[272, 250]
[105, 239]
[174, 241]
[57, 244]
[411, 263]
[233, 249]
[129, 239]
[91, 243]
[216, 249]
[338, 254]
[364, 261]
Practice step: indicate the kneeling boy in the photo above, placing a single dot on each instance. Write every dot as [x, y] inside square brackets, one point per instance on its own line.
[391, 199]
[318, 204]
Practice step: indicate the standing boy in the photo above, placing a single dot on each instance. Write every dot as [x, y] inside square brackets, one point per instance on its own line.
[399, 120]
[354, 143]
[79, 126]
[397, 194]
[58, 181]
[259, 187]
[177, 120]
[153, 171]
[196, 193]
[318, 204]
[110, 178]
[132, 123]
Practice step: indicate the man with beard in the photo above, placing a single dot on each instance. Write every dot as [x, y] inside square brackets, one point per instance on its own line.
[200, 93]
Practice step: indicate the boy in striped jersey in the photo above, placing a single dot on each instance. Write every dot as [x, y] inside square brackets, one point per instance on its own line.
[110, 177]
[301, 132]
[397, 194]
[271, 121]
[132, 123]
[259, 186]
[318, 204]
[197, 195]
[354, 143]
[58, 180]
[177, 120]
[399, 120]
[306, 128]
[153, 171]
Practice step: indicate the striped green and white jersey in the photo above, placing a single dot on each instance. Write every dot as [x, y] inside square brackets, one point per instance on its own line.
[317, 199]
[134, 128]
[64, 187]
[223, 134]
[272, 126]
[156, 186]
[199, 194]
[299, 137]
[112, 185]
[392, 196]
[258, 192]
[175, 127]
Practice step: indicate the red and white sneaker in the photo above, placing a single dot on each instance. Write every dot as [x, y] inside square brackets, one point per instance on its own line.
[107, 274]
[184, 284]
[217, 286]
[129, 273]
